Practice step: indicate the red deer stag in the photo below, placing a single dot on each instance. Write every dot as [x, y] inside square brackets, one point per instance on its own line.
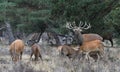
[77, 30]
[83, 38]
[92, 46]
[35, 48]
[16, 49]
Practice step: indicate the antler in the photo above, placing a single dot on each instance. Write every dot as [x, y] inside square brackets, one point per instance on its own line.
[85, 26]
[71, 25]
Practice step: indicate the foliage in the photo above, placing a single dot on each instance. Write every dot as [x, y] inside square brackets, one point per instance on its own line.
[32, 15]
[113, 19]
[91, 11]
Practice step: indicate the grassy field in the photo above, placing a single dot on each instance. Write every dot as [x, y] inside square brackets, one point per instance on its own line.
[52, 62]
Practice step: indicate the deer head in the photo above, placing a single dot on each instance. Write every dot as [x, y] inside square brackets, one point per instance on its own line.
[77, 30]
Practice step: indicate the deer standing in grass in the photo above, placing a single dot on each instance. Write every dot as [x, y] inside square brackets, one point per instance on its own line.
[82, 37]
[16, 50]
[68, 51]
[35, 48]
[91, 46]
[88, 42]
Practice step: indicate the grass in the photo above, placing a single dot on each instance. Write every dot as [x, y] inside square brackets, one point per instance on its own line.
[52, 62]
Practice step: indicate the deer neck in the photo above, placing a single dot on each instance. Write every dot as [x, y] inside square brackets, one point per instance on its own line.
[79, 37]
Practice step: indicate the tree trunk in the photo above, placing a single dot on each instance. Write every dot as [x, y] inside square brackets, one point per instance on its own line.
[10, 33]
[57, 39]
[39, 36]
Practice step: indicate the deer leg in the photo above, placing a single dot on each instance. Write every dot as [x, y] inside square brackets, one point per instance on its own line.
[111, 42]
[11, 55]
[31, 55]
[82, 56]
[87, 56]
[36, 57]
[40, 56]
[21, 55]
[17, 57]
[103, 40]
[99, 56]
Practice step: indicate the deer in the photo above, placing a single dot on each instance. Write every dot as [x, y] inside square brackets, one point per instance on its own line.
[84, 39]
[108, 36]
[102, 37]
[16, 50]
[91, 37]
[68, 51]
[35, 48]
[92, 46]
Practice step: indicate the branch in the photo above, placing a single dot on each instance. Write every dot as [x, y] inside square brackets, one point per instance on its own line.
[2, 28]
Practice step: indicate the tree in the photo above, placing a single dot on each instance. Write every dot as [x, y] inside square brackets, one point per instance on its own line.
[39, 15]
[91, 11]
[113, 19]
[5, 9]
[23, 15]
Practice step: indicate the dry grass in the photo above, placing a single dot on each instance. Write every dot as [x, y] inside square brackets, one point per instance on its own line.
[52, 62]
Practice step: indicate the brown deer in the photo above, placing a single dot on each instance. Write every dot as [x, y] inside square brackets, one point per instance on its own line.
[68, 51]
[16, 50]
[90, 49]
[77, 30]
[82, 37]
[91, 37]
[35, 48]
[92, 46]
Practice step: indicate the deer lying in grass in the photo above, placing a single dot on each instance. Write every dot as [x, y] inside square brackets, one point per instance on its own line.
[16, 50]
[92, 46]
[35, 48]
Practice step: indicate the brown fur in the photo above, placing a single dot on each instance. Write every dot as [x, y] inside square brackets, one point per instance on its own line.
[67, 51]
[35, 48]
[60, 48]
[92, 46]
[91, 37]
[16, 49]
